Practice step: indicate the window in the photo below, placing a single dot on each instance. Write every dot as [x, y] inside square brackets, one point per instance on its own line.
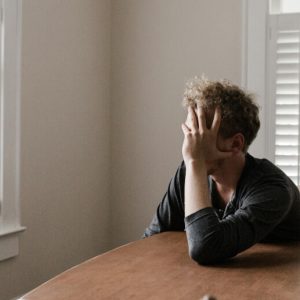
[271, 69]
[10, 37]
[283, 87]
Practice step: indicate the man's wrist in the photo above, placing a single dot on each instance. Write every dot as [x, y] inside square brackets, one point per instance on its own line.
[196, 186]
[195, 163]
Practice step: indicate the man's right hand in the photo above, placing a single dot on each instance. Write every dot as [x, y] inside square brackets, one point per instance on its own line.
[200, 143]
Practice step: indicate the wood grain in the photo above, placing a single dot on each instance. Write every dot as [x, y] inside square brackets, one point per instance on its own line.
[160, 268]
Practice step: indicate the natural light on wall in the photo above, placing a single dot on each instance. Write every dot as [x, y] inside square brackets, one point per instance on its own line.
[283, 72]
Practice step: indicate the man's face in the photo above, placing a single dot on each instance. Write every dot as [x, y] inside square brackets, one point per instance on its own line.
[223, 144]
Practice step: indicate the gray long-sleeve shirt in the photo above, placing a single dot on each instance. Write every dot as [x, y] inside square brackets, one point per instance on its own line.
[265, 207]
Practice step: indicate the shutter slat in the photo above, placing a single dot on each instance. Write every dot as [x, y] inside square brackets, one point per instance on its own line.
[288, 40]
[287, 58]
[287, 130]
[287, 99]
[286, 150]
[286, 140]
[286, 120]
[287, 68]
[287, 109]
[287, 89]
[288, 48]
[287, 78]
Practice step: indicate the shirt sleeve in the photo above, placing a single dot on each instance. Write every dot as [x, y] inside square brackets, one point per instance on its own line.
[169, 215]
[211, 240]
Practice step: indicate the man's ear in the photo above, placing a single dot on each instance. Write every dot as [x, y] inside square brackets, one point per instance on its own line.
[238, 143]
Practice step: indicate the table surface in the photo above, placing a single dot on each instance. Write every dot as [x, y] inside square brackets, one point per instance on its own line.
[159, 267]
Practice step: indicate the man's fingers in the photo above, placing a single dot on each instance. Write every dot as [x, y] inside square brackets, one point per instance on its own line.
[185, 129]
[192, 119]
[201, 118]
[188, 120]
[217, 120]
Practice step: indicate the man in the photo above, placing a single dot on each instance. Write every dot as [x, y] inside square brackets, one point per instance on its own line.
[225, 199]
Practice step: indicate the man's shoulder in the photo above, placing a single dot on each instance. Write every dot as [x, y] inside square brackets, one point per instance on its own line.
[263, 170]
[263, 177]
[263, 165]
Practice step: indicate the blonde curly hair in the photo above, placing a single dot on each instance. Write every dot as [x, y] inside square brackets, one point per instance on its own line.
[240, 113]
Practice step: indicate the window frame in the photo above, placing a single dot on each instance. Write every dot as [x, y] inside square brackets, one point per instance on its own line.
[254, 69]
[10, 226]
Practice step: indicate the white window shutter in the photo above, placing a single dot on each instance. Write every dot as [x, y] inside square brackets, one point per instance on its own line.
[284, 119]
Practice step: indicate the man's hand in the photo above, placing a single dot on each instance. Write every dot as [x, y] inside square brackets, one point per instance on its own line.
[200, 143]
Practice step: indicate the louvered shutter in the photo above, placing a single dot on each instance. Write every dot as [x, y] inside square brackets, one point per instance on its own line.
[284, 119]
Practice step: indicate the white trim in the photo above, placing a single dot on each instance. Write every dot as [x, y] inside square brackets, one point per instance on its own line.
[254, 61]
[270, 118]
[9, 244]
[10, 129]
[244, 62]
[12, 231]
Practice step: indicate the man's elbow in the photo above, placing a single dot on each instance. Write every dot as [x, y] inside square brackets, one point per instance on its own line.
[203, 253]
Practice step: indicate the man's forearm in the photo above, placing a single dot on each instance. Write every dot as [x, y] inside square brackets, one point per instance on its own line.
[196, 187]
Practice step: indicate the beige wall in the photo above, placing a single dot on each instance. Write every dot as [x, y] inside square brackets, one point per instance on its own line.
[79, 166]
[156, 46]
[65, 140]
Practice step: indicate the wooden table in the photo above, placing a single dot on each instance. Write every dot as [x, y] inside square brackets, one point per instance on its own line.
[160, 268]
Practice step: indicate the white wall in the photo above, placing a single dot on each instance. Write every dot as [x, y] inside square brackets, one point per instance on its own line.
[65, 140]
[156, 46]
